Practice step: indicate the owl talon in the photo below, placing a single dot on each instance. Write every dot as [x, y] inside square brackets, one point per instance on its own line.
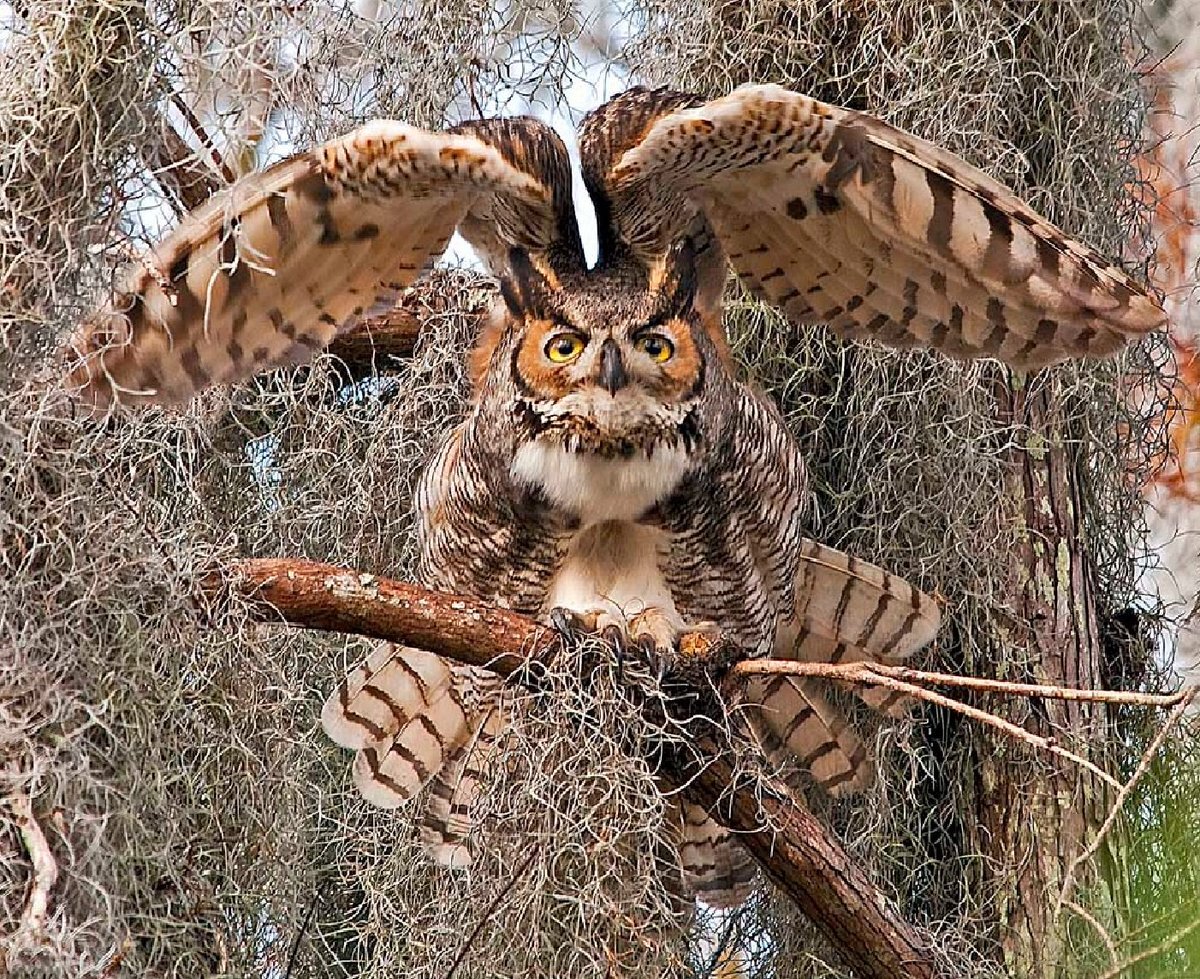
[615, 636]
[657, 634]
[572, 626]
[652, 635]
[575, 627]
[564, 622]
[652, 654]
[656, 657]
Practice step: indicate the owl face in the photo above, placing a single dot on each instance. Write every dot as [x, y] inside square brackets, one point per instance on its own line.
[600, 369]
[597, 361]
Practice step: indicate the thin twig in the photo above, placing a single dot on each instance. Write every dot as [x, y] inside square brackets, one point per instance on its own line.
[112, 960]
[1098, 928]
[718, 957]
[32, 927]
[176, 167]
[1169, 942]
[466, 946]
[304, 924]
[867, 672]
[1119, 803]
[206, 141]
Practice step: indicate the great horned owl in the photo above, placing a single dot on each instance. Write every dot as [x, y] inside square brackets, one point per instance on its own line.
[611, 466]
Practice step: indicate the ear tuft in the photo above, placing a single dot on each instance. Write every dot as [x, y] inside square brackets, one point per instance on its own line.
[524, 288]
[680, 281]
[512, 297]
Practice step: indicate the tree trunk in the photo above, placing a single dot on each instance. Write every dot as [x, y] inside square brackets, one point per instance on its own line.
[1033, 820]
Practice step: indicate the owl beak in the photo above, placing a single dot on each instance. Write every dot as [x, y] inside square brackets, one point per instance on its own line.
[612, 367]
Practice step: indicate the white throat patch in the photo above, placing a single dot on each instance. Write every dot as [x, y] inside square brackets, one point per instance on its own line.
[596, 488]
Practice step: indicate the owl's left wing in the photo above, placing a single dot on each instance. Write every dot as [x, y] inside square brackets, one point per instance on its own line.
[844, 610]
[268, 271]
[847, 609]
[838, 218]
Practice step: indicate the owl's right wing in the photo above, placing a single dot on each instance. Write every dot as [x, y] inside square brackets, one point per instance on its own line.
[268, 271]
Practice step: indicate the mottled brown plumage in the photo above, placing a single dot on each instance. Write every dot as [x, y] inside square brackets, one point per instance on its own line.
[612, 468]
[838, 218]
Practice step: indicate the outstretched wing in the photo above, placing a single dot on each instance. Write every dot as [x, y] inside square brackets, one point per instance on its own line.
[641, 226]
[839, 218]
[624, 221]
[269, 270]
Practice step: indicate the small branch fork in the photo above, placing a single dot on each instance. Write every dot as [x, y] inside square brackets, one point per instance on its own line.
[882, 674]
[792, 847]
[903, 679]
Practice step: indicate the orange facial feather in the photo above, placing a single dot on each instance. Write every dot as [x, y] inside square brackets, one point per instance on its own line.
[548, 380]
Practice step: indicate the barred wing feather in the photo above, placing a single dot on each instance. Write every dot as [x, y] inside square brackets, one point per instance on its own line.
[848, 610]
[271, 269]
[407, 713]
[716, 868]
[839, 218]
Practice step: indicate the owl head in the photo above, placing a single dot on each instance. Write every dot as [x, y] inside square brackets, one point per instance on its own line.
[600, 364]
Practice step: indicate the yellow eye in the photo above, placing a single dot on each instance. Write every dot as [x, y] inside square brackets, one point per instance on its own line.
[562, 348]
[656, 346]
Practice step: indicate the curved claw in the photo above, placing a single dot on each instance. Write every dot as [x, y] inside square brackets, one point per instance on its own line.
[616, 637]
[653, 633]
[568, 623]
[575, 626]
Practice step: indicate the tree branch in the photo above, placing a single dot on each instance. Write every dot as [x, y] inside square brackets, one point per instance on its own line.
[178, 170]
[31, 931]
[333, 599]
[794, 850]
[367, 347]
[394, 334]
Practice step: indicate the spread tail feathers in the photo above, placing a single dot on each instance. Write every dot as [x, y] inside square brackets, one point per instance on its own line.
[408, 714]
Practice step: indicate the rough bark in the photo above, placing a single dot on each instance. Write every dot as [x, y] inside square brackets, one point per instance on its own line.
[794, 850]
[367, 348]
[1031, 825]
